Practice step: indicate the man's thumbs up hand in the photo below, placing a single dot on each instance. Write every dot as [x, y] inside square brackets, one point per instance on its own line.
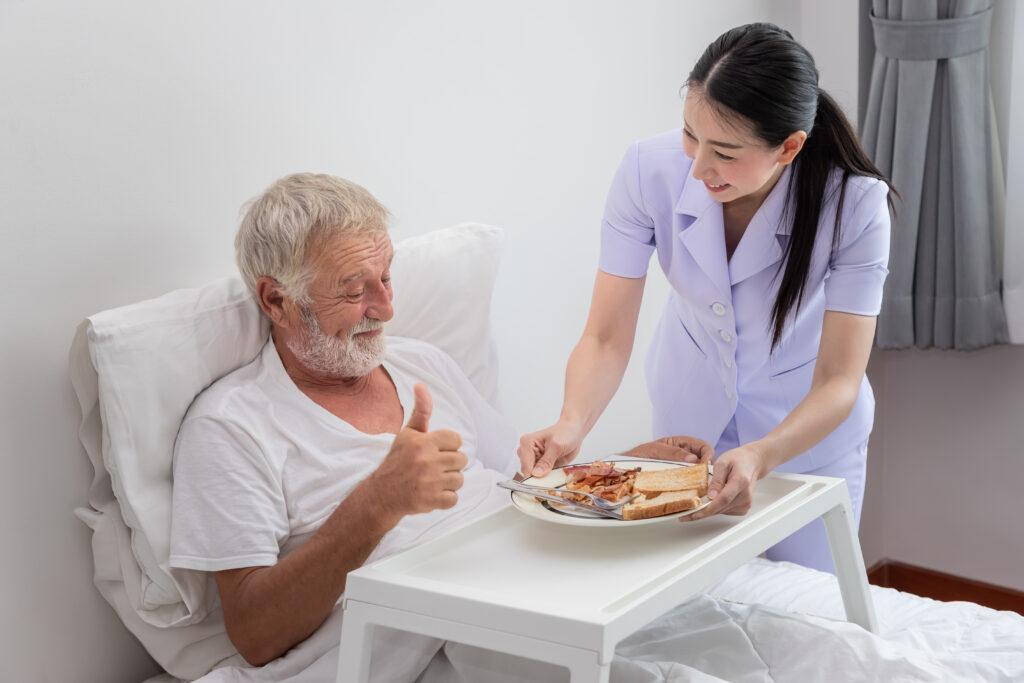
[421, 410]
[423, 469]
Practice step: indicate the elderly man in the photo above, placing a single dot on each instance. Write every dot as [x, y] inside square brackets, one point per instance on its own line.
[335, 445]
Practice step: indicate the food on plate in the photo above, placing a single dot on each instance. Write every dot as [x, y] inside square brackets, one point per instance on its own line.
[662, 504]
[656, 492]
[675, 479]
[601, 479]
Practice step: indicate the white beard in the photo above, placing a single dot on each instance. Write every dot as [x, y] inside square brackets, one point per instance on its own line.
[324, 354]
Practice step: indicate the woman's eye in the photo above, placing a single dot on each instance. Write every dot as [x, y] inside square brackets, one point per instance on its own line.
[689, 135]
[724, 157]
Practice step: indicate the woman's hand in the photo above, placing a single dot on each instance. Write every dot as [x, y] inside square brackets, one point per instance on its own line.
[555, 446]
[678, 448]
[731, 490]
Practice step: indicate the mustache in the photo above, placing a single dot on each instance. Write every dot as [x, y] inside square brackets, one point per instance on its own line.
[367, 325]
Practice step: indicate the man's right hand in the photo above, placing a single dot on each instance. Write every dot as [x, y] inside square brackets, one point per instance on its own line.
[423, 470]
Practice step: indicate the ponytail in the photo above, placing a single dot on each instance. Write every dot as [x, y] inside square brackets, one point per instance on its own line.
[831, 145]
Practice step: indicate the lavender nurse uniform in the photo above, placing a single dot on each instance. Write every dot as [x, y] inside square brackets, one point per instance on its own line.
[710, 369]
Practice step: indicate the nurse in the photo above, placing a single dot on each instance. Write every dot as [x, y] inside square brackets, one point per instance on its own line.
[772, 227]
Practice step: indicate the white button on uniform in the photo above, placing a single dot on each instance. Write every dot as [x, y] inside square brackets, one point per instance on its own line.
[718, 308]
[728, 362]
[725, 335]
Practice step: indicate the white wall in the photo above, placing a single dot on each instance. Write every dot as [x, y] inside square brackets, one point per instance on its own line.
[829, 30]
[130, 134]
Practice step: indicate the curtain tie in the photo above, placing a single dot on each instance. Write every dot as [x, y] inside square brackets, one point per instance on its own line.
[932, 39]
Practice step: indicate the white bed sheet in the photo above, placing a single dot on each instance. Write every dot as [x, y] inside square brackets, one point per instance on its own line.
[766, 621]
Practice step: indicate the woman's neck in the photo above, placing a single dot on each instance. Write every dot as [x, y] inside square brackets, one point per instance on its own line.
[748, 205]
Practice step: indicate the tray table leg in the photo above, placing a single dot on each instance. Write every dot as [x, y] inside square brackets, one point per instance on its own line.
[354, 651]
[849, 563]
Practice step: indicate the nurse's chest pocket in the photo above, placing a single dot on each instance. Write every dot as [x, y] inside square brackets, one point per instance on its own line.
[806, 366]
[675, 357]
[693, 340]
[791, 382]
[795, 355]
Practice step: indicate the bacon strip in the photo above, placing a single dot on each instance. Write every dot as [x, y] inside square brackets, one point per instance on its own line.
[601, 479]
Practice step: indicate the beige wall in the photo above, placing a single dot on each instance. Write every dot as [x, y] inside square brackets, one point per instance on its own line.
[946, 466]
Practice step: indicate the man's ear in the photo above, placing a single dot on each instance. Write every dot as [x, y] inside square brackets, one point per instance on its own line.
[791, 146]
[272, 300]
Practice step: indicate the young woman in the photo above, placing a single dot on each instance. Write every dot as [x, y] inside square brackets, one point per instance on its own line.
[772, 226]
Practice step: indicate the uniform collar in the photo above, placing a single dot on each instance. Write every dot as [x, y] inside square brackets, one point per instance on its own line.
[705, 236]
[761, 246]
[694, 200]
[775, 203]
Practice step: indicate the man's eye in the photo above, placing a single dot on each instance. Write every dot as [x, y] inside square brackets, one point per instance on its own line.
[354, 296]
[386, 279]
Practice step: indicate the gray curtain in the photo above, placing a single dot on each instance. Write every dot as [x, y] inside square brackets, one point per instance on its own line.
[928, 126]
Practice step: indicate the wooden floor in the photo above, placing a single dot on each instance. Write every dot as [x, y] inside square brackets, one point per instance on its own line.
[946, 587]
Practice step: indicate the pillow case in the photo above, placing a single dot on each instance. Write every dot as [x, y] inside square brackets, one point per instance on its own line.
[136, 369]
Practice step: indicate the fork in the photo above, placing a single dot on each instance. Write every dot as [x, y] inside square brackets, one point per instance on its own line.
[597, 501]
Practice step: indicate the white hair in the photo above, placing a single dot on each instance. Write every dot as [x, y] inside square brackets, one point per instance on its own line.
[294, 213]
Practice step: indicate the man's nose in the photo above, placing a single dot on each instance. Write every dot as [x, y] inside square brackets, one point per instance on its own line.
[379, 307]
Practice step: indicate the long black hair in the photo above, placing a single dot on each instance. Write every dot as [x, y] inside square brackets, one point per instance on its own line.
[761, 73]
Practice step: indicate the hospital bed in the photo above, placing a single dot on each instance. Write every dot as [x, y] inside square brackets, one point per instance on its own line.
[136, 369]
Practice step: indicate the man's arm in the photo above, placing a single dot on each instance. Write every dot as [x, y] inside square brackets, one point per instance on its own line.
[268, 610]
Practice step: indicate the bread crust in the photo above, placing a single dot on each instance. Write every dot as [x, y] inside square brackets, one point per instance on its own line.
[665, 503]
[651, 483]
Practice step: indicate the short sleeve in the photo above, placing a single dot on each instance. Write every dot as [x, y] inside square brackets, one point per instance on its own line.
[858, 269]
[627, 230]
[228, 507]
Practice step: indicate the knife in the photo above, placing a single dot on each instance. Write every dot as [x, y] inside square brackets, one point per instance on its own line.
[514, 486]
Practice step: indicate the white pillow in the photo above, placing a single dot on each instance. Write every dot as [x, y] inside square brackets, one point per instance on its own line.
[136, 370]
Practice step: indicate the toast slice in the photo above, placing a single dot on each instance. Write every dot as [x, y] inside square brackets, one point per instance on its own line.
[662, 504]
[676, 479]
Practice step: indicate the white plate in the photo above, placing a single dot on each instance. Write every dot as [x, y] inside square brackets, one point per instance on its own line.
[552, 512]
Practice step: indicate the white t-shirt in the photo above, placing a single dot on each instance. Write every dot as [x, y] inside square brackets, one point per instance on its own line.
[259, 466]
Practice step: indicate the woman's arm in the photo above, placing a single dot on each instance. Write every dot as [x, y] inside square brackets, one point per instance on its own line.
[594, 372]
[842, 360]
[843, 353]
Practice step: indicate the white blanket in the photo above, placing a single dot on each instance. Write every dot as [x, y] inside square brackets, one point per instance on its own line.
[766, 621]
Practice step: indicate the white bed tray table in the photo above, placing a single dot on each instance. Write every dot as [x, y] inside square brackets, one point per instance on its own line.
[569, 594]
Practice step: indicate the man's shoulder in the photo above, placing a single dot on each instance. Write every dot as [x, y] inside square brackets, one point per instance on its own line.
[240, 387]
